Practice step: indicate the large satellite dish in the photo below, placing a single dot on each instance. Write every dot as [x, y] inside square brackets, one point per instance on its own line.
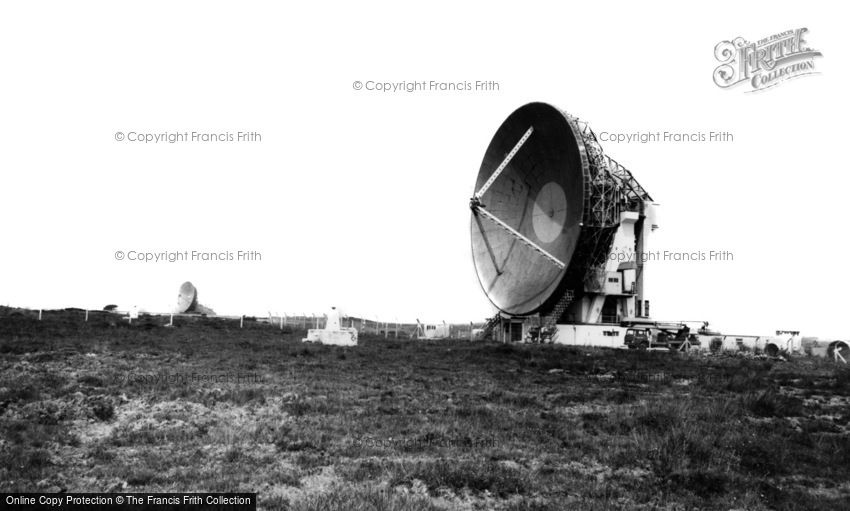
[187, 298]
[546, 206]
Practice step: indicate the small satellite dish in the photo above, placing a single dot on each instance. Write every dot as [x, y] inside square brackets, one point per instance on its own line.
[187, 301]
[187, 298]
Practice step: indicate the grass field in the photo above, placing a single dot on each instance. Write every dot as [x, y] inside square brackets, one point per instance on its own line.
[103, 406]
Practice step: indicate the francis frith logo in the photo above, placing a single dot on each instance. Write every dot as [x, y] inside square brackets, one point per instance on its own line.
[765, 63]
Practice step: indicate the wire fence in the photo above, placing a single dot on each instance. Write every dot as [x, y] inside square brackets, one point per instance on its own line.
[59, 319]
[288, 322]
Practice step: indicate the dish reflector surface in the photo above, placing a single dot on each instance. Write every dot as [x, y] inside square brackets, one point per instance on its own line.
[540, 195]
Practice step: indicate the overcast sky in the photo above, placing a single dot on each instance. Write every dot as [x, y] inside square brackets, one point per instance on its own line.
[359, 198]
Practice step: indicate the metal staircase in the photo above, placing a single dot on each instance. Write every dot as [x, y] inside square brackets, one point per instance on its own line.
[547, 323]
[551, 319]
[490, 325]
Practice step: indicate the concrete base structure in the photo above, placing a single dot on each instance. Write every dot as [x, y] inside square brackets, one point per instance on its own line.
[333, 333]
[341, 337]
[613, 336]
[606, 336]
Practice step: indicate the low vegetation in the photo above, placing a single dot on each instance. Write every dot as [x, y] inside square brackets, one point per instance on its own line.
[419, 425]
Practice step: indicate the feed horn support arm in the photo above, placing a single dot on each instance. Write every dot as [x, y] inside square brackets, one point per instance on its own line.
[477, 209]
[502, 165]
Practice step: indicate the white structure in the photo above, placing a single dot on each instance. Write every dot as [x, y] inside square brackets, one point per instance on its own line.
[333, 333]
[606, 336]
[613, 336]
[784, 342]
[437, 331]
[617, 290]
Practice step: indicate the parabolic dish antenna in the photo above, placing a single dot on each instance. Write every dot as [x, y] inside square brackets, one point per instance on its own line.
[187, 298]
[527, 209]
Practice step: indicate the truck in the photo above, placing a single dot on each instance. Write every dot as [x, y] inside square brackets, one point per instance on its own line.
[646, 335]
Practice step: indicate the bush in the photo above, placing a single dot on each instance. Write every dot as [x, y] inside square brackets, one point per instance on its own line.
[772, 404]
[140, 477]
[459, 475]
[103, 409]
[370, 498]
[290, 439]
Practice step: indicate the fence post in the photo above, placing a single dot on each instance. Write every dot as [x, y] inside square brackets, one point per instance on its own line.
[39, 314]
[241, 320]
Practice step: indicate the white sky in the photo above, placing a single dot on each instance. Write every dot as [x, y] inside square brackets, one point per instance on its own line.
[359, 199]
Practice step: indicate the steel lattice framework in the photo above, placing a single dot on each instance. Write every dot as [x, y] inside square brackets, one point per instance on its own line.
[609, 186]
[609, 189]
